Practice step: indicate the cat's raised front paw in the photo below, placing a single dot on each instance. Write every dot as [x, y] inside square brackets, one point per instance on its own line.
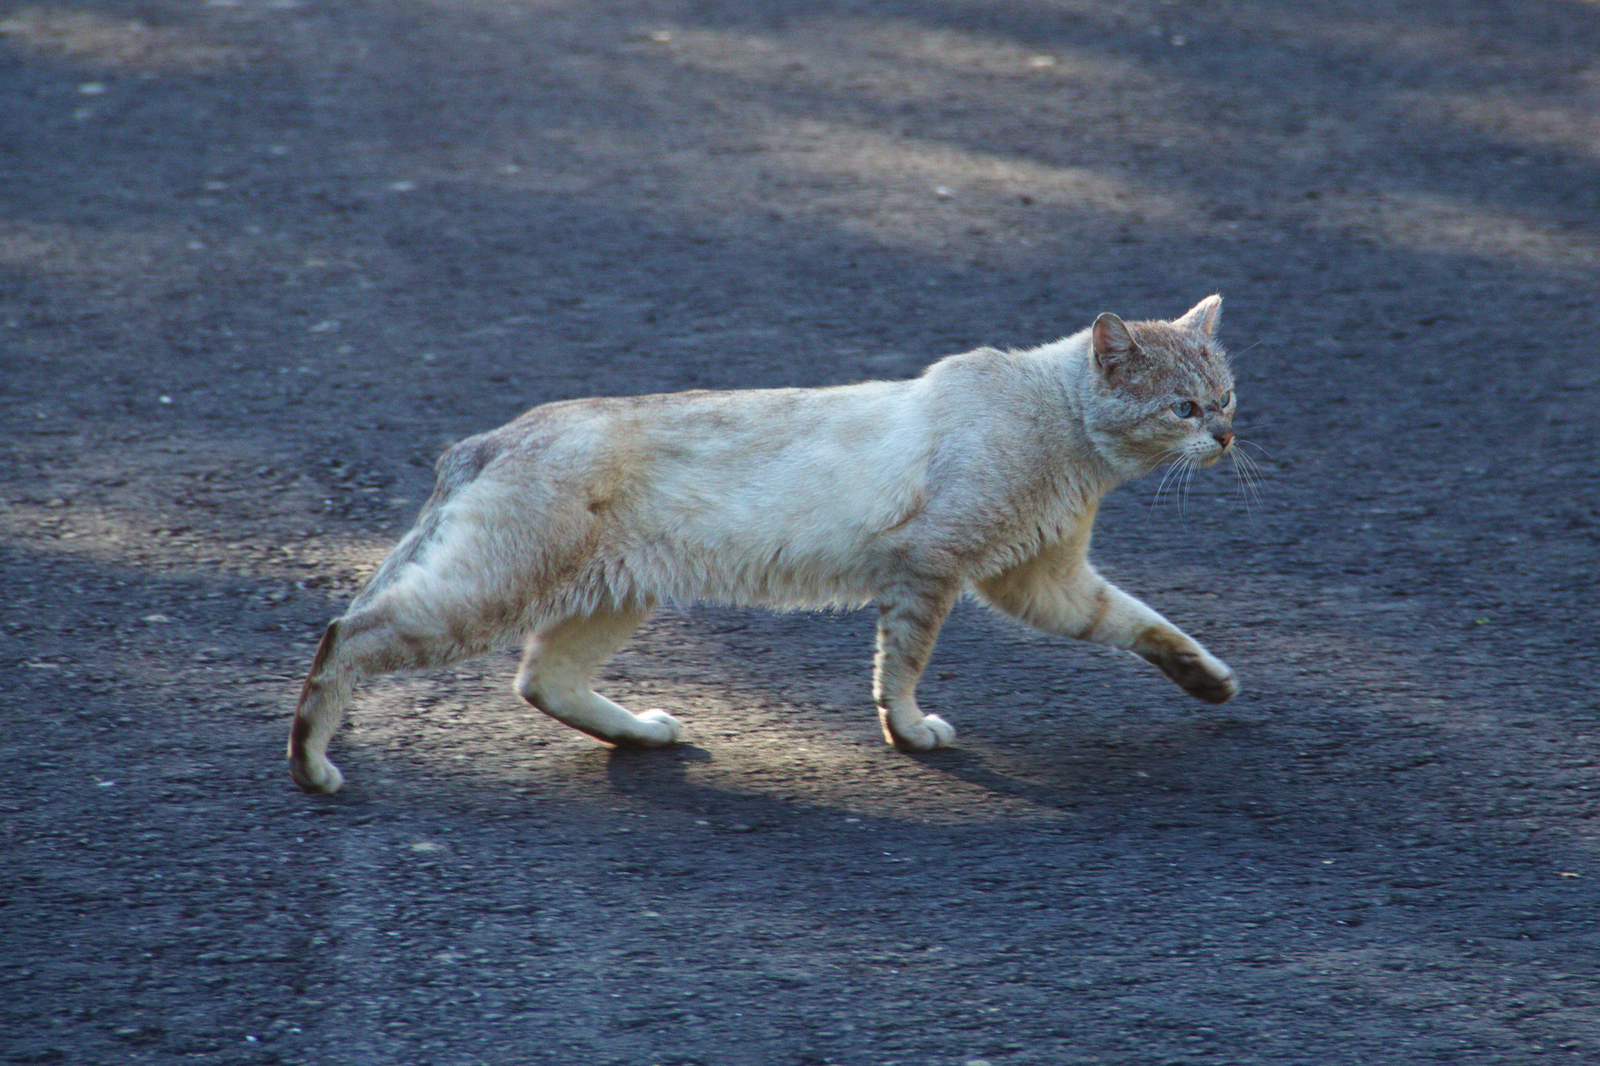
[1203, 676]
[929, 733]
[1192, 668]
[316, 775]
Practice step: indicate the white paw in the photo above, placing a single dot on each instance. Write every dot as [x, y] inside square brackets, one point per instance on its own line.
[317, 775]
[931, 732]
[657, 729]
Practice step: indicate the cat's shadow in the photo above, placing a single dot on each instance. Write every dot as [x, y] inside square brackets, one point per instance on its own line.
[1069, 783]
[970, 768]
[635, 770]
[661, 778]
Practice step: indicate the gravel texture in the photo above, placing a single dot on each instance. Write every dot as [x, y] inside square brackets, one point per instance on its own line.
[260, 261]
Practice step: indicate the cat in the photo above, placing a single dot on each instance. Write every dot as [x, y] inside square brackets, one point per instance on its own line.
[569, 524]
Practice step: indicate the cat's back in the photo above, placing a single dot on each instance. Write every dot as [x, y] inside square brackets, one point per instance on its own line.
[1004, 417]
[1007, 387]
[734, 429]
[983, 407]
[789, 462]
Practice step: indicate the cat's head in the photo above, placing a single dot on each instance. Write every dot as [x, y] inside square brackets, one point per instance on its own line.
[1162, 390]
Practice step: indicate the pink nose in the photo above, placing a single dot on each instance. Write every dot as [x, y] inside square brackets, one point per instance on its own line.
[1224, 438]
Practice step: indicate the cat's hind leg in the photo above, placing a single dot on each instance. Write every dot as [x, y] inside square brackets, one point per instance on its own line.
[558, 663]
[908, 624]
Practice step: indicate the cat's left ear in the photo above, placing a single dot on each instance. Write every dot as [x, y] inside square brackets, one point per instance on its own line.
[1113, 343]
[1204, 317]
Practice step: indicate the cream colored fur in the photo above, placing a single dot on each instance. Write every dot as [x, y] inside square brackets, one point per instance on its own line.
[568, 525]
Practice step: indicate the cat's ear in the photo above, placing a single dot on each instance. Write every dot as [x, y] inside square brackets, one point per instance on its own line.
[1114, 347]
[1204, 317]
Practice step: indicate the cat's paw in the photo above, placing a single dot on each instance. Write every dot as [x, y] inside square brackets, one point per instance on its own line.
[316, 774]
[1203, 676]
[656, 729]
[1192, 668]
[929, 733]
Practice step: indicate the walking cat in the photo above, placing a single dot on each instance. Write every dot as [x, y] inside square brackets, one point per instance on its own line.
[569, 524]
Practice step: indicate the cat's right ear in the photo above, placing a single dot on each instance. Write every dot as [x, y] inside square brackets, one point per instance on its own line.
[1204, 317]
[1114, 347]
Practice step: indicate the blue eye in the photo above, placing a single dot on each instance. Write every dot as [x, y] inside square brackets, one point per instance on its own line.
[1186, 409]
[1227, 398]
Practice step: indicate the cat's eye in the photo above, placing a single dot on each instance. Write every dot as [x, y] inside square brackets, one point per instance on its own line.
[1227, 399]
[1186, 409]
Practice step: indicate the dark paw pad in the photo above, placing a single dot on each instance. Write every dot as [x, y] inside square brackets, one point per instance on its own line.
[1199, 678]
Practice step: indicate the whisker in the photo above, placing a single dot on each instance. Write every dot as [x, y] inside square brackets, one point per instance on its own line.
[1166, 453]
[1244, 488]
[1191, 464]
[1175, 477]
[1168, 478]
[1250, 477]
[1159, 460]
[1252, 469]
[1179, 470]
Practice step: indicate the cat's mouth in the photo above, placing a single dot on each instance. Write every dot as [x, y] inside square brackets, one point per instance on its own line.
[1201, 457]
[1220, 444]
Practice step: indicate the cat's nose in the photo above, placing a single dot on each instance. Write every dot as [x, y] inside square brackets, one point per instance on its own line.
[1224, 438]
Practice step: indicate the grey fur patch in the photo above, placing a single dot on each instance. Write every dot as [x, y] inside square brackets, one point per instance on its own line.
[1175, 361]
[464, 461]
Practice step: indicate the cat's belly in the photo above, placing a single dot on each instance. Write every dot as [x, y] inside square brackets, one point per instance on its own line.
[842, 567]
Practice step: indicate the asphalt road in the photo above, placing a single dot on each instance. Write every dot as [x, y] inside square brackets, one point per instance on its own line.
[260, 261]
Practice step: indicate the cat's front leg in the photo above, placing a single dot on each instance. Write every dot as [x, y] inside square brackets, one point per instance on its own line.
[1066, 595]
[909, 618]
